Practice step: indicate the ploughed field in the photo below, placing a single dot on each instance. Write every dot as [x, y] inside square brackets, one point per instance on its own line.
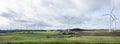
[54, 37]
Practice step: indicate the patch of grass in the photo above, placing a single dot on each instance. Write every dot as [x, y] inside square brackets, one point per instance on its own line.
[54, 38]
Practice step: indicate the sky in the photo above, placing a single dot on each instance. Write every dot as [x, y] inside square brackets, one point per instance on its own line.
[59, 14]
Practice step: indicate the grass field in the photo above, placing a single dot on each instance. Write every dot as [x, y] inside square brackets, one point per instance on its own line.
[54, 38]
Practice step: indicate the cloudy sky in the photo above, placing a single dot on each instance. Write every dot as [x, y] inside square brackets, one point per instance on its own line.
[48, 14]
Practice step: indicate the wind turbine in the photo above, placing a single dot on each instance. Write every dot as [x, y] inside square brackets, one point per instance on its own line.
[112, 19]
[68, 22]
[41, 28]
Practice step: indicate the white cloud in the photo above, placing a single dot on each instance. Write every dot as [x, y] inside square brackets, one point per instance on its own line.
[52, 13]
[4, 21]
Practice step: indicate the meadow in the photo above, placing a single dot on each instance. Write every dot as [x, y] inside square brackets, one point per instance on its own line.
[53, 37]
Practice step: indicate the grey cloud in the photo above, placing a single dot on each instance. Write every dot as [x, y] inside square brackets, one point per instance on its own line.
[10, 14]
[39, 25]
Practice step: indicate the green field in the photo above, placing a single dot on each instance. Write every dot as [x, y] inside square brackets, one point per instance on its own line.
[54, 38]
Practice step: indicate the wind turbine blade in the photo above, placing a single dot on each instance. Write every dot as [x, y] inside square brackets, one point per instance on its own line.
[111, 11]
[112, 17]
[115, 17]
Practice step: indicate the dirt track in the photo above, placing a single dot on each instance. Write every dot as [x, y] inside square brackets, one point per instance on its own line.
[98, 34]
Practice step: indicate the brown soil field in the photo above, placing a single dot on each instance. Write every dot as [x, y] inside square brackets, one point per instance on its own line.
[98, 33]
